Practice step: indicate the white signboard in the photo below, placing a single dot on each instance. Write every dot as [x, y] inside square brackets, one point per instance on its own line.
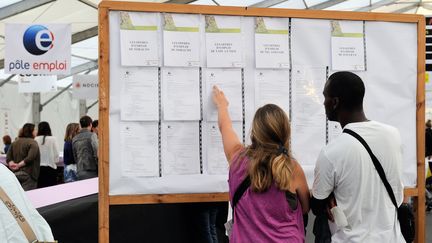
[37, 83]
[224, 41]
[347, 45]
[139, 41]
[181, 40]
[85, 87]
[38, 49]
[271, 43]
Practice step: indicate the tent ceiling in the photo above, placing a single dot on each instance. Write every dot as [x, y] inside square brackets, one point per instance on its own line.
[83, 17]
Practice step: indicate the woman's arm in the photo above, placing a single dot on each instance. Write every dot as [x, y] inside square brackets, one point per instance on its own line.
[302, 188]
[230, 141]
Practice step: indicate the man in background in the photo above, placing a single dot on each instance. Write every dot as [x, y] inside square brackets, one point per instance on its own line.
[85, 149]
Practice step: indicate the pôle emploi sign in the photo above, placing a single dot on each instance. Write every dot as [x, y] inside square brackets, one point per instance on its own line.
[37, 49]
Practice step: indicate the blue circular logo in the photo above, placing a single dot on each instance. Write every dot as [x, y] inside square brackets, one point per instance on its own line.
[38, 39]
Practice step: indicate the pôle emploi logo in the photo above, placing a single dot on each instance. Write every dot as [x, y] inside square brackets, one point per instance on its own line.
[38, 40]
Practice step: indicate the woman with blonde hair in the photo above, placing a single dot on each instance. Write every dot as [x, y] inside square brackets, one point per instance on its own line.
[70, 169]
[272, 206]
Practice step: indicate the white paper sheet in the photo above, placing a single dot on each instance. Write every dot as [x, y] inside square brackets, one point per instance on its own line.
[180, 148]
[272, 87]
[139, 95]
[230, 82]
[308, 121]
[224, 41]
[139, 42]
[347, 45]
[216, 159]
[181, 94]
[271, 43]
[181, 40]
[139, 148]
[391, 86]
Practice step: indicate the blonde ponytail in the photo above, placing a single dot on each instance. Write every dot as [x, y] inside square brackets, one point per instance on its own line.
[269, 154]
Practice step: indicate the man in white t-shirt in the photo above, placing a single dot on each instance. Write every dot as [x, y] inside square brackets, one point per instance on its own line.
[10, 231]
[345, 168]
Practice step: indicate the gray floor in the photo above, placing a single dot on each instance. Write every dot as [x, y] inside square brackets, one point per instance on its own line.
[310, 237]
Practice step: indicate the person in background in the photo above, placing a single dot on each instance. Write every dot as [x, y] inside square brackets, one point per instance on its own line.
[10, 231]
[94, 129]
[428, 155]
[49, 153]
[428, 140]
[23, 158]
[7, 141]
[272, 207]
[345, 174]
[70, 169]
[85, 148]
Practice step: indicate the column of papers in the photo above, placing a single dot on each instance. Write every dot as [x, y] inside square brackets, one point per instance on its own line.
[139, 42]
[271, 43]
[181, 94]
[139, 148]
[181, 40]
[308, 121]
[180, 148]
[224, 41]
[216, 159]
[272, 87]
[230, 82]
[139, 94]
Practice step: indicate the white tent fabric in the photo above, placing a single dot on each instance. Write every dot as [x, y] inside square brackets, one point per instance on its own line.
[15, 108]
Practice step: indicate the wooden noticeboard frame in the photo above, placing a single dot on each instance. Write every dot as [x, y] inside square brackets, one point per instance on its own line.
[105, 200]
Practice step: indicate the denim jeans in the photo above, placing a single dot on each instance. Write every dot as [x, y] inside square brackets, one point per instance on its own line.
[207, 223]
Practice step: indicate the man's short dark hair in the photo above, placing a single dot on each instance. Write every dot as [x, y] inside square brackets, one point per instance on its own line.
[348, 87]
[85, 121]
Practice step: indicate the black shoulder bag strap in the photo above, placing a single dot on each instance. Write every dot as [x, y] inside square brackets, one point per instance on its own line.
[239, 193]
[241, 190]
[377, 165]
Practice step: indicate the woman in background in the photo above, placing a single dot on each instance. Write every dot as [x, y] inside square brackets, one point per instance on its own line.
[271, 208]
[49, 155]
[7, 141]
[23, 158]
[70, 169]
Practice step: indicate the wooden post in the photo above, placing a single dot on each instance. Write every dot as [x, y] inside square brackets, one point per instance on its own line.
[420, 119]
[104, 124]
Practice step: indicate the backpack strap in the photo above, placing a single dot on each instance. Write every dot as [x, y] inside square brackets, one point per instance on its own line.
[16, 213]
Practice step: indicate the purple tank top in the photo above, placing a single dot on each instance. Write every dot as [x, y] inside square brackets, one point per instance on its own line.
[262, 217]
